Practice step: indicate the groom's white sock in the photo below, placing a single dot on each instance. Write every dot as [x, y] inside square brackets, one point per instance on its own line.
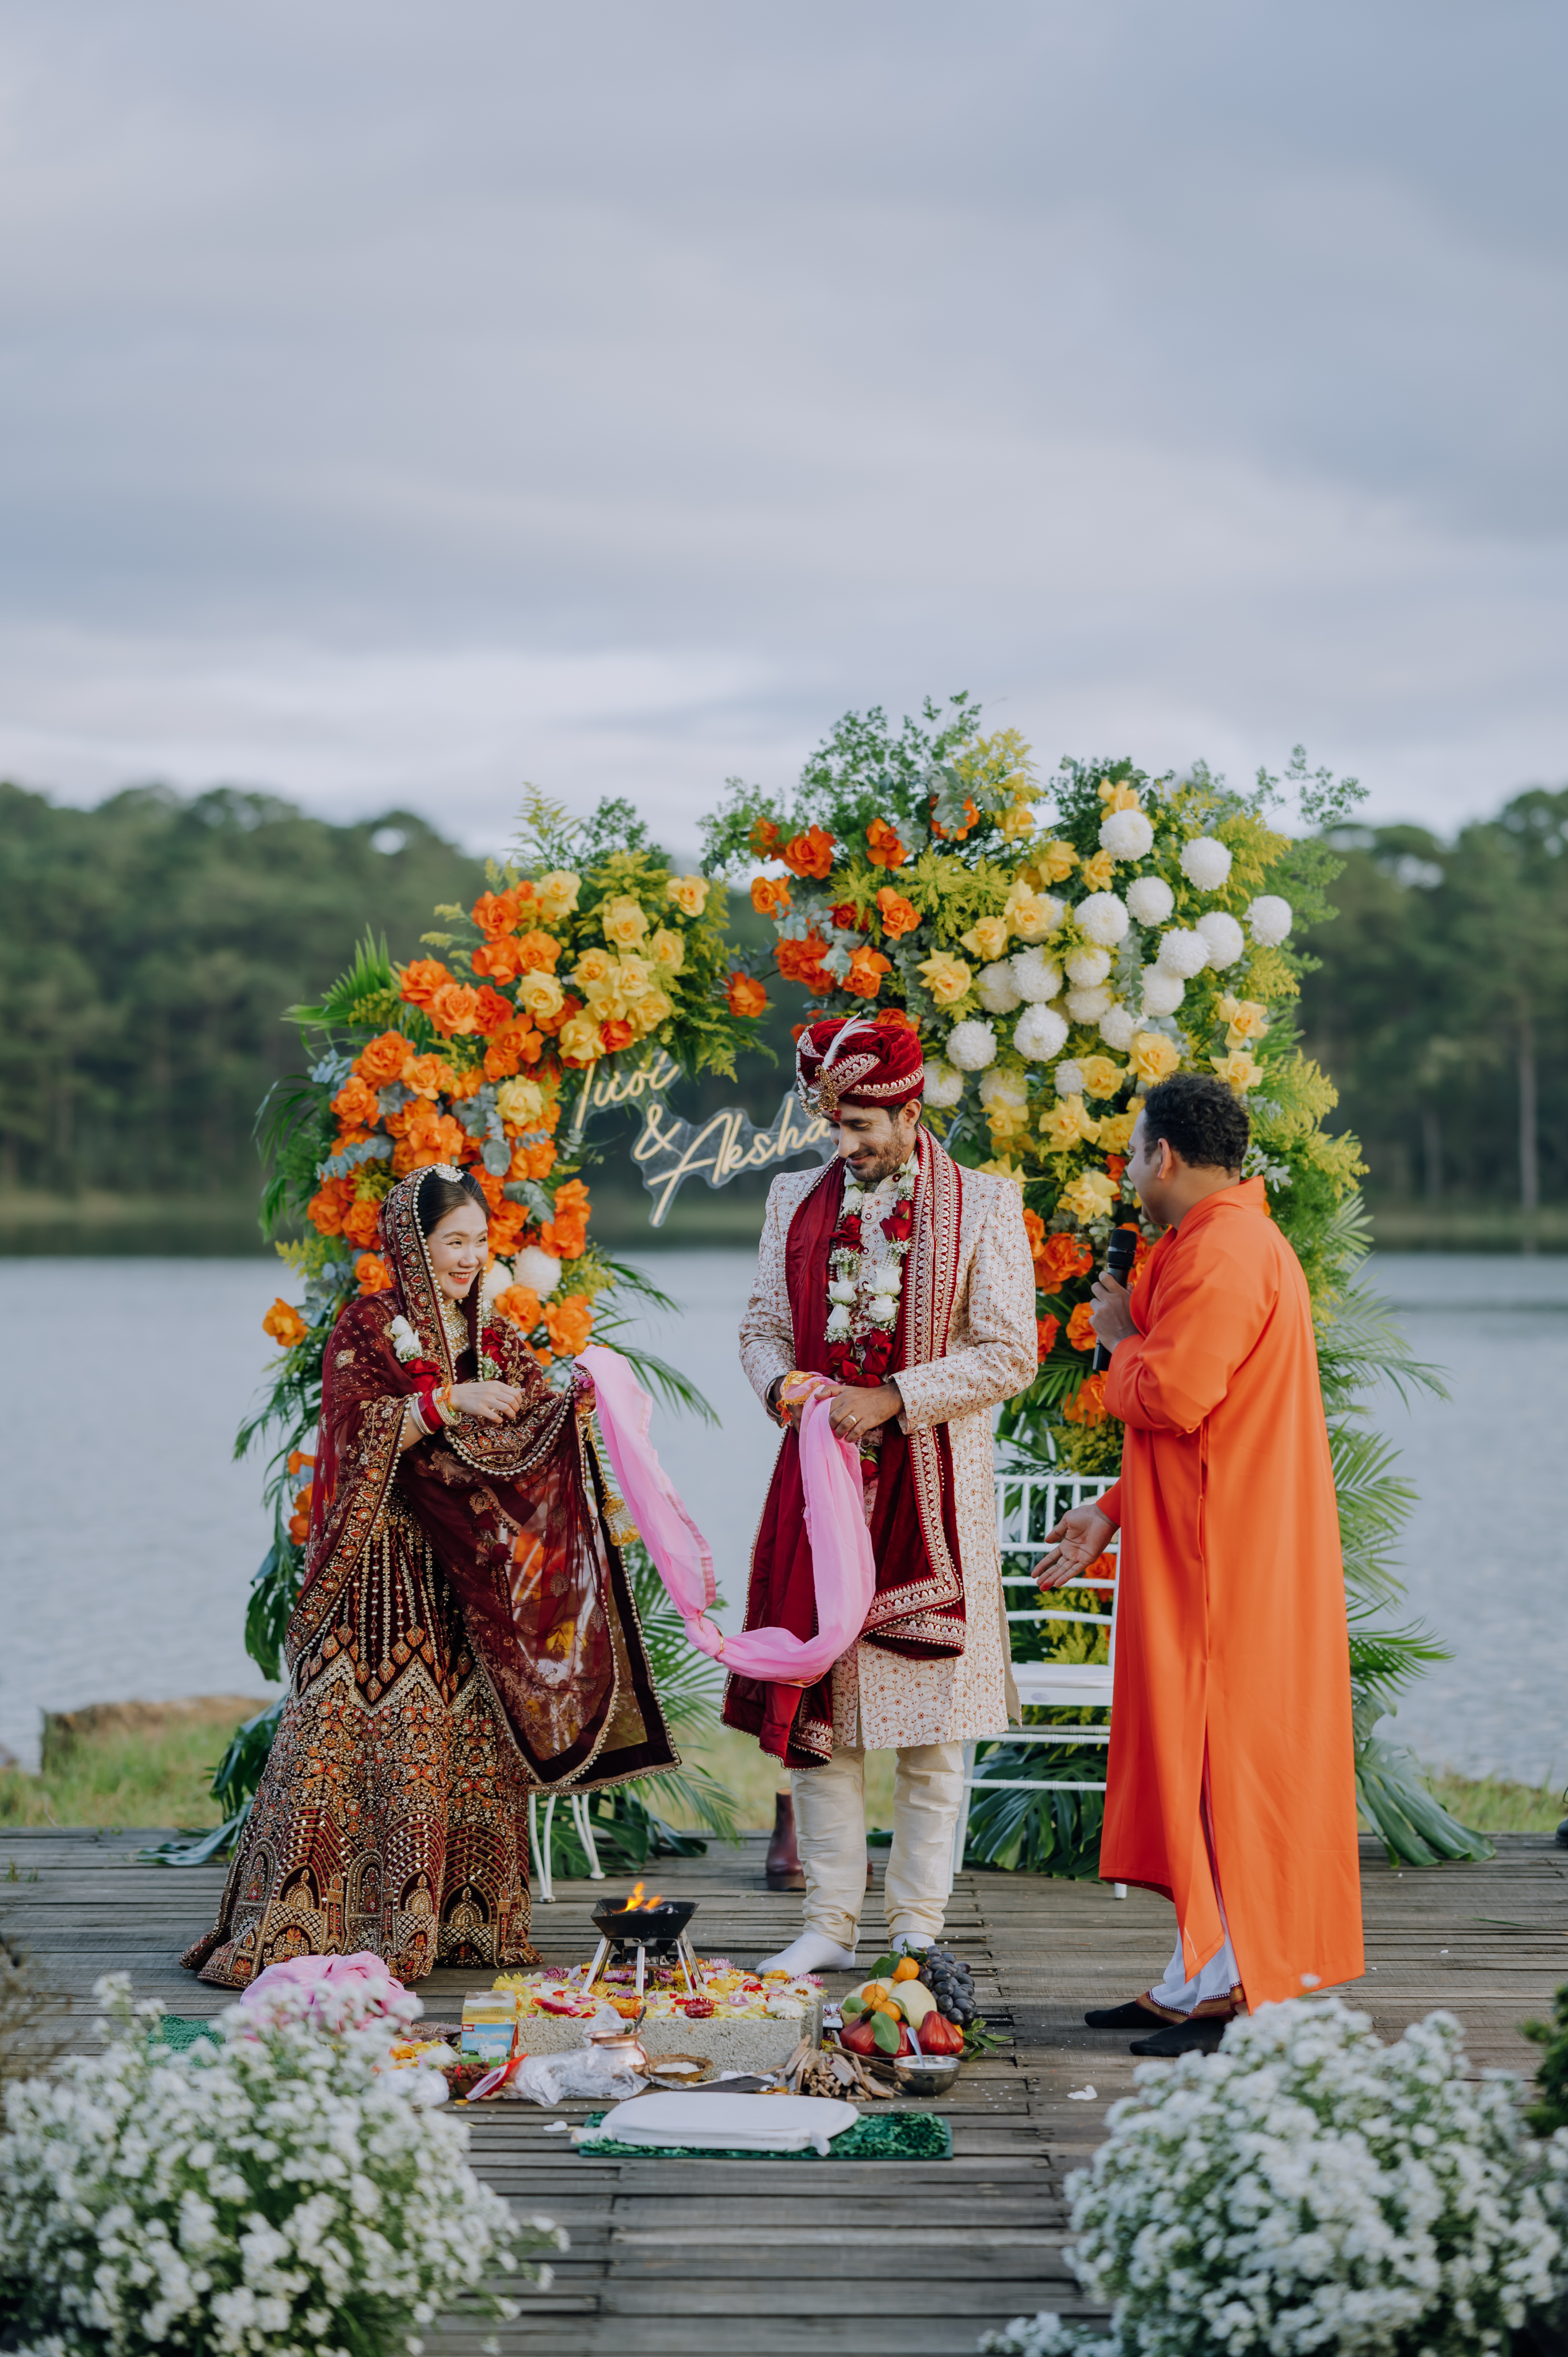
[813, 1952]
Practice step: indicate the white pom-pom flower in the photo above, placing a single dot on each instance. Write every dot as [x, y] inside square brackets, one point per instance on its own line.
[1070, 1079]
[1151, 899]
[1118, 1029]
[1086, 967]
[1036, 977]
[1162, 992]
[1224, 935]
[995, 988]
[1269, 918]
[1183, 954]
[971, 1046]
[1127, 835]
[1102, 917]
[1041, 1034]
[536, 1268]
[943, 1086]
[1088, 1005]
[1206, 862]
[1002, 1088]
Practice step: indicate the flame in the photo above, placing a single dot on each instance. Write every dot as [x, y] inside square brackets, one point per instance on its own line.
[636, 1902]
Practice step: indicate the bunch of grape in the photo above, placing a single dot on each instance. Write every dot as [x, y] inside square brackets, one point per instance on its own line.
[951, 1984]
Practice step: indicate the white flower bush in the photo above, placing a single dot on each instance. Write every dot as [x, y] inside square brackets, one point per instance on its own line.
[1118, 1029]
[1086, 967]
[1036, 977]
[1150, 898]
[1069, 1079]
[1001, 1088]
[971, 1046]
[1161, 992]
[1088, 1005]
[1226, 940]
[1102, 917]
[1309, 2190]
[1127, 835]
[1041, 1034]
[944, 1087]
[1269, 918]
[283, 2191]
[1183, 954]
[995, 988]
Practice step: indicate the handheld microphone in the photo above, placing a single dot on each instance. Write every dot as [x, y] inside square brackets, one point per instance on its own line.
[1120, 1254]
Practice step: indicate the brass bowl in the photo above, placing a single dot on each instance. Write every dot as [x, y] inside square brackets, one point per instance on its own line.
[680, 2070]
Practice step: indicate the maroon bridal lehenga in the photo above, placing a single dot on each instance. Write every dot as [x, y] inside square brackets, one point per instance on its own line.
[466, 1633]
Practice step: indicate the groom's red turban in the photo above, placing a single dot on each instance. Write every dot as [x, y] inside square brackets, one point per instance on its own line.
[845, 1060]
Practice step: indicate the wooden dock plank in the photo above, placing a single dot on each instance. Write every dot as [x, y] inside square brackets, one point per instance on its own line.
[683, 2258]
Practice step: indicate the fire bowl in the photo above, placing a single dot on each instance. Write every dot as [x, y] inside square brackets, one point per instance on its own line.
[653, 1927]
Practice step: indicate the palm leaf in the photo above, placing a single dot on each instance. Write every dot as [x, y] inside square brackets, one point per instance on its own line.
[370, 976]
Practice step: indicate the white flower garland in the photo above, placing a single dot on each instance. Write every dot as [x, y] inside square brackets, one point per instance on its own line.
[874, 1273]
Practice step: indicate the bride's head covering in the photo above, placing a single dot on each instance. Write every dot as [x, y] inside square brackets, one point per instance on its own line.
[404, 1234]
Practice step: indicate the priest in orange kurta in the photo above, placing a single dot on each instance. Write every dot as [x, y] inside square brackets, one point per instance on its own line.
[1231, 1783]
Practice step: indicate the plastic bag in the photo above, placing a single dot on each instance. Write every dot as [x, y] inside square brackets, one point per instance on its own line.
[585, 2075]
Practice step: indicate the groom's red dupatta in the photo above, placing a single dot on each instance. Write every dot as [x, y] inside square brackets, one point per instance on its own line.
[918, 1606]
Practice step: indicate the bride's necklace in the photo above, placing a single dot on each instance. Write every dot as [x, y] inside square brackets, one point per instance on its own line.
[454, 1319]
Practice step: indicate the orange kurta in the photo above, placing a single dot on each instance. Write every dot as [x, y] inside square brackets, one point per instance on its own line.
[1231, 1632]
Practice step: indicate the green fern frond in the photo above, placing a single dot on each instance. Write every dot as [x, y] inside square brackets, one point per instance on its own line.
[370, 977]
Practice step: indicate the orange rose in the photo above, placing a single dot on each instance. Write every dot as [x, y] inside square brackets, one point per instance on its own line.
[519, 1306]
[1061, 1258]
[1087, 1405]
[428, 1076]
[503, 960]
[802, 962]
[572, 1196]
[770, 894]
[971, 818]
[285, 1324]
[898, 915]
[538, 952]
[883, 847]
[517, 1045]
[763, 840]
[535, 1161]
[811, 854]
[454, 1008]
[495, 913]
[422, 980]
[360, 1222]
[1045, 1332]
[493, 1012]
[1035, 1229]
[299, 1526]
[745, 996]
[507, 1224]
[1080, 1331]
[894, 1018]
[492, 1188]
[551, 1024]
[615, 1035]
[381, 1059]
[373, 1275]
[298, 1459]
[569, 1323]
[326, 1208]
[867, 968]
[355, 1104]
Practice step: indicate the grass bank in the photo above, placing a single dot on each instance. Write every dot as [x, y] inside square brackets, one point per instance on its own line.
[140, 1763]
[98, 1225]
[1458, 1224]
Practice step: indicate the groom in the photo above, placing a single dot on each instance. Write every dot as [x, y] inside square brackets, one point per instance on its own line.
[908, 1281]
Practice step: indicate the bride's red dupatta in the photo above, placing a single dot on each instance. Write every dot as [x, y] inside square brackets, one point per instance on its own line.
[918, 1607]
[512, 1514]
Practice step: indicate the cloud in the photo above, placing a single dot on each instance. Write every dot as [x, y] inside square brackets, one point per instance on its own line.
[396, 408]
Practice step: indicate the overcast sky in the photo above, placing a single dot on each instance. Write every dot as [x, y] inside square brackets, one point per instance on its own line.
[398, 402]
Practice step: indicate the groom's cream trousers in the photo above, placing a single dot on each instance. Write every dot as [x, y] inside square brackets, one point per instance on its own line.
[830, 1830]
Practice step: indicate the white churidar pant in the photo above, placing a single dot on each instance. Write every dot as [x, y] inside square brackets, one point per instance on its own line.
[830, 1830]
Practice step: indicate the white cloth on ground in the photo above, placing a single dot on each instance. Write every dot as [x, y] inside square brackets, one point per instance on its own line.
[830, 1833]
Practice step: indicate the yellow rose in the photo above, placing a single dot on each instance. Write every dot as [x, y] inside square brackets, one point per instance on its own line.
[1001, 1166]
[988, 938]
[1100, 873]
[1031, 916]
[1153, 1056]
[558, 895]
[1246, 1017]
[1067, 1124]
[647, 1013]
[690, 894]
[594, 969]
[1121, 797]
[606, 1005]
[580, 1038]
[945, 977]
[623, 922]
[1101, 1077]
[634, 977]
[1238, 1070]
[1053, 861]
[541, 994]
[1017, 823]
[668, 950]
[1091, 1196]
[1007, 1122]
[520, 1104]
[1116, 1131]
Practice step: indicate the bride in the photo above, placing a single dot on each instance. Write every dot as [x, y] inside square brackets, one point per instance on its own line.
[464, 1632]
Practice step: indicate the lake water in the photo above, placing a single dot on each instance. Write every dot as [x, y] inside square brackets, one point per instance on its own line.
[128, 1533]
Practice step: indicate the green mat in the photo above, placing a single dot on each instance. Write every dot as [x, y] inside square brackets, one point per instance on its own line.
[877, 2136]
[181, 2031]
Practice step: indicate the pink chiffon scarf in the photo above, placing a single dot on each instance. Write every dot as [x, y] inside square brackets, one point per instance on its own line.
[843, 1573]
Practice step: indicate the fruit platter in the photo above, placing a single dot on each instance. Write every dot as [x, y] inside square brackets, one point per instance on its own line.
[913, 2007]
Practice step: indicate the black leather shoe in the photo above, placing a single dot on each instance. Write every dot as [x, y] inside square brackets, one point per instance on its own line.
[1132, 2016]
[1200, 2037]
